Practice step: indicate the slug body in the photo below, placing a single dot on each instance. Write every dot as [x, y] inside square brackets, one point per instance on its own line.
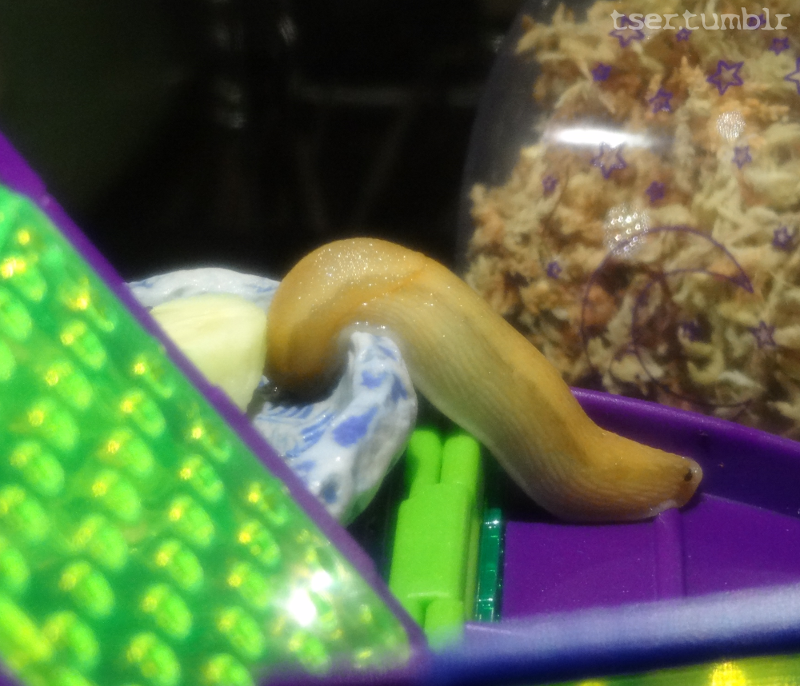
[477, 369]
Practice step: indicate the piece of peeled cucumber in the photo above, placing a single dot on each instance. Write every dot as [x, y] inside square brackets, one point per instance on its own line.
[224, 335]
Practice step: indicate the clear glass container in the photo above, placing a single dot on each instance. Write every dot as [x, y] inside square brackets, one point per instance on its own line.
[632, 200]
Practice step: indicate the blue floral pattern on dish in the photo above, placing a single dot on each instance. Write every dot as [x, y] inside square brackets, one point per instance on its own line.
[342, 446]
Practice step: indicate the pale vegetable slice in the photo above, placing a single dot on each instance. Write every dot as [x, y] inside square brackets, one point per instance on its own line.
[224, 335]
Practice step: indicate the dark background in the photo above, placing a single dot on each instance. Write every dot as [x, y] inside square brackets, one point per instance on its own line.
[243, 133]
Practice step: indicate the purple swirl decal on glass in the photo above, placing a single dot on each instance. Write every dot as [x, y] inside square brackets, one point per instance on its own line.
[657, 325]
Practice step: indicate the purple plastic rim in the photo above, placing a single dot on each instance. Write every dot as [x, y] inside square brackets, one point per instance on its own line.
[626, 639]
[682, 432]
[18, 176]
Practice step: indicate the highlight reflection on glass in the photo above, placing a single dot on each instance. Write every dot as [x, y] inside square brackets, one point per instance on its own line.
[730, 125]
[623, 225]
[581, 136]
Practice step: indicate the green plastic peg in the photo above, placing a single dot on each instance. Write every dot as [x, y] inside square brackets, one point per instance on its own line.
[435, 554]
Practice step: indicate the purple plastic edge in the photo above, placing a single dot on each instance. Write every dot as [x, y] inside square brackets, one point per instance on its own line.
[625, 639]
[701, 436]
[599, 404]
[559, 646]
[17, 175]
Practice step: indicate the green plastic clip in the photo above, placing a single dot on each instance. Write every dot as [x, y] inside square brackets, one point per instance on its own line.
[490, 563]
[434, 564]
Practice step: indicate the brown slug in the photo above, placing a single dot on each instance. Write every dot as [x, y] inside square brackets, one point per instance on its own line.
[477, 369]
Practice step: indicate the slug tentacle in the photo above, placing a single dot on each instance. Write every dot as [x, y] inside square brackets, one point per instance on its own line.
[477, 369]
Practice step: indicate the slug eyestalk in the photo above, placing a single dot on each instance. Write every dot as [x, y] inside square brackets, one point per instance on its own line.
[475, 368]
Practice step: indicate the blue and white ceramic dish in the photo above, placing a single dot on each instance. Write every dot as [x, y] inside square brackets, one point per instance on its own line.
[342, 446]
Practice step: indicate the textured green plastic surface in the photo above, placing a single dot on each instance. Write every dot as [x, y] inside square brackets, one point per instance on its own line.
[435, 554]
[141, 542]
[490, 561]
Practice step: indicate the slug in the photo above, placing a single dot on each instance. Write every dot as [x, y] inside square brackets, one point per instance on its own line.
[475, 368]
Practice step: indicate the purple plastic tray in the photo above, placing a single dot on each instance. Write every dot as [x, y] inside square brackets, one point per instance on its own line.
[715, 580]
[741, 532]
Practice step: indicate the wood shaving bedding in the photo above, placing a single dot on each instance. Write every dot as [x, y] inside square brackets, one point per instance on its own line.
[648, 241]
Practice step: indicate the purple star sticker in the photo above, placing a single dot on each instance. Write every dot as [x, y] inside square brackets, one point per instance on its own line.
[741, 156]
[779, 45]
[661, 101]
[763, 333]
[782, 239]
[727, 75]
[626, 35]
[601, 72]
[549, 184]
[655, 191]
[794, 77]
[609, 159]
[691, 330]
[683, 35]
[553, 269]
